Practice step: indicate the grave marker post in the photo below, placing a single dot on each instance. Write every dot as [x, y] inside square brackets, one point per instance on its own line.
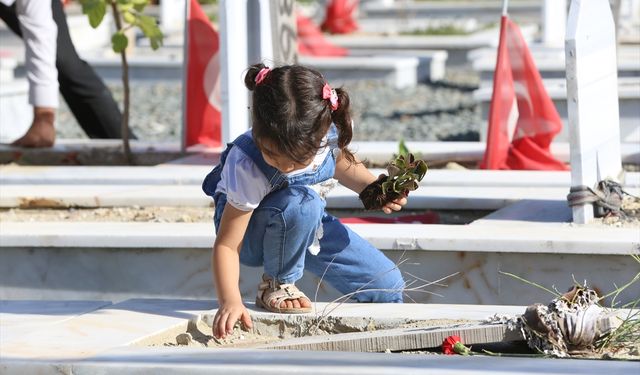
[251, 32]
[592, 98]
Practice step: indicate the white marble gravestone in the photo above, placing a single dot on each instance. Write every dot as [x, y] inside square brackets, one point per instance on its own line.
[554, 22]
[273, 42]
[592, 98]
[172, 15]
[233, 65]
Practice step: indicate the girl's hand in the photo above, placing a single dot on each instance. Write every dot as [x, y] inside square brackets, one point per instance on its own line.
[395, 205]
[227, 316]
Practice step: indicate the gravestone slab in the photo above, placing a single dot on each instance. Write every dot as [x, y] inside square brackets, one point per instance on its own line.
[592, 97]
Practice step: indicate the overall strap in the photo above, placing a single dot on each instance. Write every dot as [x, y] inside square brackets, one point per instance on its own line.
[248, 146]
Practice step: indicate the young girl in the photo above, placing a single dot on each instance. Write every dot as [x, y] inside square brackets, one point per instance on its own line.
[267, 214]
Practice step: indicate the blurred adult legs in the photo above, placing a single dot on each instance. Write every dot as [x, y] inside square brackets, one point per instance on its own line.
[84, 92]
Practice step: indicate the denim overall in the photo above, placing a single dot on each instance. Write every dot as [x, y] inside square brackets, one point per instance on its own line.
[285, 224]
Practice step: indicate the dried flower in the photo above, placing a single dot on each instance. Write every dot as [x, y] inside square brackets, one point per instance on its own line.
[454, 345]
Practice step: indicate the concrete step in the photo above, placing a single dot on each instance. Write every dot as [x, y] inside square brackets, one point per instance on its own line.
[109, 152]
[200, 361]
[431, 64]
[109, 340]
[87, 328]
[485, 11]
[400, 72]
[551, 61]
[95, 196]
[456, 46]
[178, 174]
[115, 261]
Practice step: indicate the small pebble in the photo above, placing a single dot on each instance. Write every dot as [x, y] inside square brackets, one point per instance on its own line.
[184, 339]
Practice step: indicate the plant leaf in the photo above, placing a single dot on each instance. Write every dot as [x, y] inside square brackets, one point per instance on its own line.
[95, 10]
[400, 162]
[393, 170]
[151, 30]
[128, 17]
[402, 148]
[420, 170]
[119, 42]
[139, 5]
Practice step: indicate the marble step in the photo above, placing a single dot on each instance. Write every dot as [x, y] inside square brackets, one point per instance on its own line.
[95, 196]
[115, 261]
[456, 46]
[486, 11]
[74, 152]
[399, 71]
[109, 340]
[551, 61]
[186, 174]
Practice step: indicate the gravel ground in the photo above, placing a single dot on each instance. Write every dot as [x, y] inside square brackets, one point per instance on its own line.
[428, 112]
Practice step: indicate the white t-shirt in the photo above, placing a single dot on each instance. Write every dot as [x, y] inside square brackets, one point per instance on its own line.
[39, 32]
[244, 183]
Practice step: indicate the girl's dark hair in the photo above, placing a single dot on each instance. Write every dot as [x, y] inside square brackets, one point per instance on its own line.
[288, 111]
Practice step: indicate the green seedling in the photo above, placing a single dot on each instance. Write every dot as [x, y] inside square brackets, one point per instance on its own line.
[404, 174]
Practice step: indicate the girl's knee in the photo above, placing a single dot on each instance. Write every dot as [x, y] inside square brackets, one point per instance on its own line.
[388, 288]
[296, 202]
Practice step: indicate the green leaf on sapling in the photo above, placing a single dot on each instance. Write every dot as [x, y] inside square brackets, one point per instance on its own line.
[95, 10]
[140, 3]
[119, 42]
[128, 17]
[151, 30]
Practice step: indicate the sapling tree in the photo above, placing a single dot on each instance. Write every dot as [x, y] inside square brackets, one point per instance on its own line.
[405, 172]
[127, 14]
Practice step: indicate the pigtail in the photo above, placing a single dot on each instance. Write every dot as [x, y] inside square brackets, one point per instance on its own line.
[252, 73]
[342, 118]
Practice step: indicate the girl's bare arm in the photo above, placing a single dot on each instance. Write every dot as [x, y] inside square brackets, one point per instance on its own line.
[356, 177]
[226, 270]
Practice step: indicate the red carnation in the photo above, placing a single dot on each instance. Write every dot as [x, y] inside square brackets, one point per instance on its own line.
[454, 345]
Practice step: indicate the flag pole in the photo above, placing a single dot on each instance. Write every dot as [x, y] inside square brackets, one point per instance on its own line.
[185, 72]
[505, 5]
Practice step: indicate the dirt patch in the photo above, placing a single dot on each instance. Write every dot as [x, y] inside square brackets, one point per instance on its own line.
[193, 214]
[630, 217]
[33, 211]
[269, 330]
[118, 214]
[200, 335]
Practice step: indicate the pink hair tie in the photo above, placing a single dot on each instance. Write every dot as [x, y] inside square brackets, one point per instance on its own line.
[262, 74]
[331, 94]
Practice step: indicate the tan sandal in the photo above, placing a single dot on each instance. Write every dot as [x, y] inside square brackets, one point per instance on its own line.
[270, 291]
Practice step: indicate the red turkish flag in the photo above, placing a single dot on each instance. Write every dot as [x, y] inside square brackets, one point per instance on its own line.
[522, 117]
[203, 103]
[340, 18]
[311, 41]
